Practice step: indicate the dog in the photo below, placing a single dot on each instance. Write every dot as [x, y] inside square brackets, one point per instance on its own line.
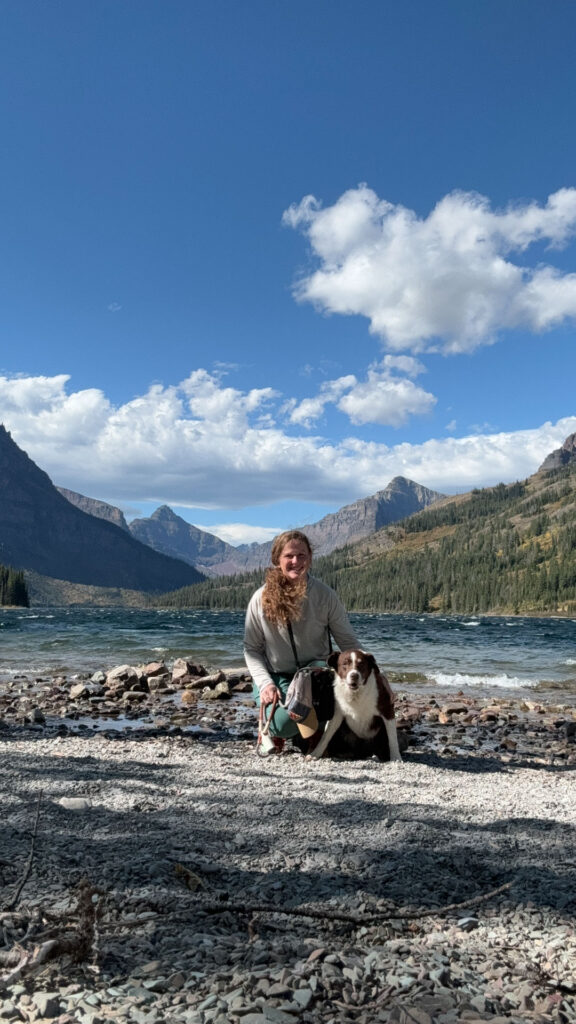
[364, 710]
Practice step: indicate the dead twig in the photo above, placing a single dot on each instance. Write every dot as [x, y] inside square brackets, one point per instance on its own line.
[474, 901]
[28, 866]
[327, 913]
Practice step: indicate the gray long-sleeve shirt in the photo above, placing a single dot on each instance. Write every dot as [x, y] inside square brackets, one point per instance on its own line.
[267, 647]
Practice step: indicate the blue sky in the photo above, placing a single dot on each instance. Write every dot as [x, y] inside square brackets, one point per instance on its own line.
[258, 258]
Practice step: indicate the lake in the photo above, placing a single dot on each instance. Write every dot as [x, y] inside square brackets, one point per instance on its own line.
[485, 655]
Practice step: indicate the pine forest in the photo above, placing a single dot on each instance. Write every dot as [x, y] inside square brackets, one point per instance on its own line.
[509, 549]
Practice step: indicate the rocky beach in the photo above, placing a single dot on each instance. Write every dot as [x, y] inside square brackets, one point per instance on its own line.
[154, 869]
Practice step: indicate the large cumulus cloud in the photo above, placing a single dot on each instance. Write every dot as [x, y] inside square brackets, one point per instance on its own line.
[202, 444]
[450, 281]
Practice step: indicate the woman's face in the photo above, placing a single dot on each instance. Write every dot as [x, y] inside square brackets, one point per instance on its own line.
[295, 560]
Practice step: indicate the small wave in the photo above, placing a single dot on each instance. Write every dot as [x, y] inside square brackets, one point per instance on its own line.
[460, 679]
[570, 661]
[471, 623]
[567, 685]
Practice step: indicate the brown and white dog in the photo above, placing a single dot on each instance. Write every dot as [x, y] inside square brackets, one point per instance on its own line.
[363, 709]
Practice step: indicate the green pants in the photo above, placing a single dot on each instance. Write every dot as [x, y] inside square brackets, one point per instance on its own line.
[281, 725]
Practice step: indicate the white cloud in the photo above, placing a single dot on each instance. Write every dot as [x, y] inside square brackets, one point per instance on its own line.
[443, 282]
[405, 364]
[155, 448]
[385, 400]
[309, 410]
[211, 402]
[242, 533]
[382, 398]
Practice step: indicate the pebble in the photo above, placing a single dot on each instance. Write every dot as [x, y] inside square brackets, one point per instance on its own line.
[47, 1003]
[74, 803]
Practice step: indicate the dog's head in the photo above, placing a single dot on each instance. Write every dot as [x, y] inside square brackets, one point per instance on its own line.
[352, 667]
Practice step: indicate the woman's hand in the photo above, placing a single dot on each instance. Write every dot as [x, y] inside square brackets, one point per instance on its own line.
[268, 693]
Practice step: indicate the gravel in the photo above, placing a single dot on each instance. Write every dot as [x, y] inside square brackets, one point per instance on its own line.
[181, 879]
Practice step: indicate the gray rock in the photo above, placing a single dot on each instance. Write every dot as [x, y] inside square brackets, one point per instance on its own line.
[47, 1004]
[159, 682]
[468, 924]
[9, 1012]
[85, 690]
[74, 803]
[303, 997]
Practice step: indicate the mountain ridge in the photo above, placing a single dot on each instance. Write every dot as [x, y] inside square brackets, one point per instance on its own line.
[508, 549]
[40, 530]
[167, 532]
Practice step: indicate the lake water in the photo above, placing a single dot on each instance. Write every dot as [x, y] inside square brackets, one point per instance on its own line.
[487, 656]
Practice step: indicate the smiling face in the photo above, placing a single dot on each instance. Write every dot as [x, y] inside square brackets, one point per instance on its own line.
[295, 560]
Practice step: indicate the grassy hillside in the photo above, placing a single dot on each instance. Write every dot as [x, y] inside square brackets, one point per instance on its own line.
[43, 590]
[507, 549]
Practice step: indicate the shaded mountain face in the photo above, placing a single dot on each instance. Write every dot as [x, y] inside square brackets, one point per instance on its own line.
[167, 532]
[564, 456]
[94, 507]
[42, 531]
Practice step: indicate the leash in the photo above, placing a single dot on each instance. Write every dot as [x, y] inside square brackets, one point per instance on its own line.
[264, 723]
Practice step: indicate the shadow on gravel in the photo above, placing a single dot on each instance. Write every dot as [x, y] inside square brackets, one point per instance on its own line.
[473, 763]
[288, 851]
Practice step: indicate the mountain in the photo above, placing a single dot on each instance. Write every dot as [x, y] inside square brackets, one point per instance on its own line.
[170, 534]
[94, 507]
[42, 531]
[564, 456]
[400, 499]
[167, 532]
[509, 549]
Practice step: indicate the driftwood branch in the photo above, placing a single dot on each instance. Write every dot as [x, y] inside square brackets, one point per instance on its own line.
[80, 939]
[327, 913]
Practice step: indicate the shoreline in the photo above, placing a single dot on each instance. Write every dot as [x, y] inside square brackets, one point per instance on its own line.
[434, 613]
[188, 699]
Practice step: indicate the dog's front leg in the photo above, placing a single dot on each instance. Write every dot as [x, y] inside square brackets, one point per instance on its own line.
[392, 735]
[332, 726]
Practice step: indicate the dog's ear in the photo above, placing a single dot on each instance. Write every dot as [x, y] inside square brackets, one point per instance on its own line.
[332, 659]
[371, 660]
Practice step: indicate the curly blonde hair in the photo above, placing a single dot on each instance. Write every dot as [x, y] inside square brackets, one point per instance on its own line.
[283, 599]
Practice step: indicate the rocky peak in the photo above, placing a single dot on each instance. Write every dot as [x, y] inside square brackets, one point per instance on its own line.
[164, 514]
[563, 456]
[95, 507]
[167, 532]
